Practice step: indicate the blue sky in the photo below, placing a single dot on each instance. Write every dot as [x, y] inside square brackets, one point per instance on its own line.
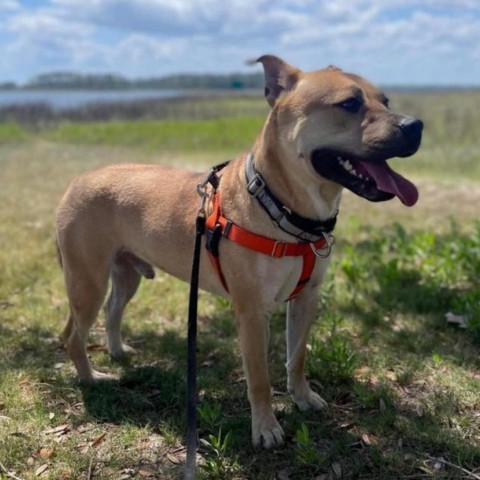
[420, 42]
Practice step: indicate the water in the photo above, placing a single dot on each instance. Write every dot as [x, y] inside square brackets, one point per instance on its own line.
[62, 99]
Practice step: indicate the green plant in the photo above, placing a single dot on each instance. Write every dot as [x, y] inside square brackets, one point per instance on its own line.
[353, 265]
[210, 415]
[223, 303]
[307, 455]
[332, 358]
[218, 465]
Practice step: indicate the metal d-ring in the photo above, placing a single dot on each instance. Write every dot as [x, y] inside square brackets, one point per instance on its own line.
[324, 252]
[202, 189]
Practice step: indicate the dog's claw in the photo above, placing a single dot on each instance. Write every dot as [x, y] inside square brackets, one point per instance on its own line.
[96, 377]
[268, 436]
[124, 351]
[309, 400]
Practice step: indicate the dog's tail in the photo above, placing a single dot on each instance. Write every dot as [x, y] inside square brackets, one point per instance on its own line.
[59, 254]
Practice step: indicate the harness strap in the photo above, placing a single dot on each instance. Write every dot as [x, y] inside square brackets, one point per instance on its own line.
[218, 226]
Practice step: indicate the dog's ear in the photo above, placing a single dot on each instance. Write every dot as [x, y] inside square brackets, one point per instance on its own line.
[280, 77]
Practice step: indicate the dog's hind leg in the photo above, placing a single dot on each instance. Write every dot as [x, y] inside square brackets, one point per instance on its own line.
[300, 316]
[86, 292]
[125, 274]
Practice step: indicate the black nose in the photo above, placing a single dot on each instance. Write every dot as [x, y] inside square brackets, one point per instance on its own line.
[411, 127]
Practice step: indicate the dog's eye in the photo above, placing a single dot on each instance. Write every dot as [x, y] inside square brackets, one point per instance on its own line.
[351, 105]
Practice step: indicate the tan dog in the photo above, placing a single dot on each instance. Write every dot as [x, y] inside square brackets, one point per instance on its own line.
[326, 130]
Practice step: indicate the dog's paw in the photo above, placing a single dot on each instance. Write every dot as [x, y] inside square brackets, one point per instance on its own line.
[267, 433]
[122, 351]
[103, 377]
[96, 377]
[307, 399]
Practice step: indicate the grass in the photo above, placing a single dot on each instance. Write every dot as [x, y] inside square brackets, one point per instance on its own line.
[401, 383]
[11, 133]
[218, 134]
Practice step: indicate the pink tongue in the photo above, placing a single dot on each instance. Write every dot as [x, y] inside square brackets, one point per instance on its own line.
[389, 181]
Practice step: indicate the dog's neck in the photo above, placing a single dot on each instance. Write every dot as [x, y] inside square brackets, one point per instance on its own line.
[317, 200]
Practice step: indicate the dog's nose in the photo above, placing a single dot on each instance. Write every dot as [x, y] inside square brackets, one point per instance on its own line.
[410, 127]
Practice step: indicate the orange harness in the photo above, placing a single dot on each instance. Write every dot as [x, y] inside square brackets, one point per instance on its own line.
[218, 226]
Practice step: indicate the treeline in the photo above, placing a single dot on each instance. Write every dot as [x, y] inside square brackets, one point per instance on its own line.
[217, 104]
[71, 80]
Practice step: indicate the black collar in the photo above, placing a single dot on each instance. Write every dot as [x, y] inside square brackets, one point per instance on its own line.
[303, 228]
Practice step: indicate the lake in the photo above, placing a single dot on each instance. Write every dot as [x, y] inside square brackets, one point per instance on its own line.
[62, 99]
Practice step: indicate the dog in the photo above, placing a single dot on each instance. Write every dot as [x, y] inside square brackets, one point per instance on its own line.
[326, 130]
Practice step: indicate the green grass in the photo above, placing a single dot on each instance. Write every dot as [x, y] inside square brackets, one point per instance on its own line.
[227, 125]
[401, 383]
[218, 134]
[11, 133]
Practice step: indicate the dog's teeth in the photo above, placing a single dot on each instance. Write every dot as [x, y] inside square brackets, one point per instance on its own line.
[353, 172]
[347, 165]
[360, 176]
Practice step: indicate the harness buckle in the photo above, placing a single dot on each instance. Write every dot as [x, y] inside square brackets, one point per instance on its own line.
[278, 253]
[325, 251]
[255, 185]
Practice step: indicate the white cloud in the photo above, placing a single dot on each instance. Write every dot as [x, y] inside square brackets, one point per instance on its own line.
[9, 5]
[154, 16]
[154, 37]
[47, 41]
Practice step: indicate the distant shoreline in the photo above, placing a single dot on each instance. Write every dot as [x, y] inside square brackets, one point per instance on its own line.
[184, 82]
[192, 91]
[61, 99]
[44, 107]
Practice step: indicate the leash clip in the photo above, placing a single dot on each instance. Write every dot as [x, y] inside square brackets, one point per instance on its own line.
[203, 200]
[203, 193]
[202, 189]
[213, 179]
[210, 178]
[324, 252]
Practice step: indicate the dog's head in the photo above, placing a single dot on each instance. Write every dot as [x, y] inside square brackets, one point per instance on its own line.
[340, 127]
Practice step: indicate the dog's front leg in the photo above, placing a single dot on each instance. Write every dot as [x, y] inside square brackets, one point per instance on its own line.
[300, 316]
[252, 326]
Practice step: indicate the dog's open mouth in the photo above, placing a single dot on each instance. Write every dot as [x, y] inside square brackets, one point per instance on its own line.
[370, 179]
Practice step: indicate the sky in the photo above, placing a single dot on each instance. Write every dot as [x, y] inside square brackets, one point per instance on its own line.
[391, 42]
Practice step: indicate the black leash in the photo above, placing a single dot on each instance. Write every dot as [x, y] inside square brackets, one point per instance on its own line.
[190, 467]
[191, 464]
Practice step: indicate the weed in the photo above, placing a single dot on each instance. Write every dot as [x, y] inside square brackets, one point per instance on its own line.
[437, 359]
[332, 359]
[218, 465]
[223, 303]
[307, 455]
[353, 265]
[210, 415]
